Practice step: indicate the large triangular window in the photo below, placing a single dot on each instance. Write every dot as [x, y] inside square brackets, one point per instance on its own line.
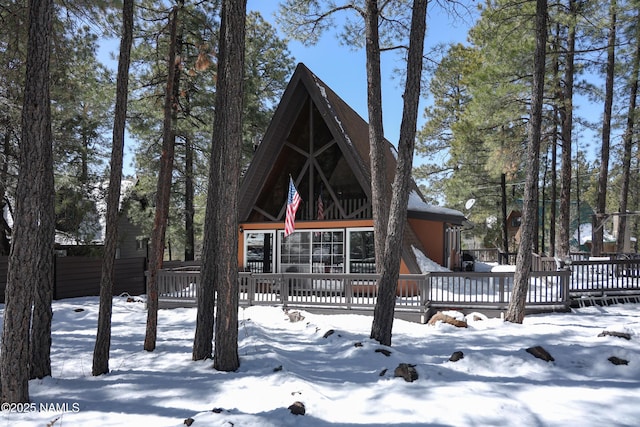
[313, 157]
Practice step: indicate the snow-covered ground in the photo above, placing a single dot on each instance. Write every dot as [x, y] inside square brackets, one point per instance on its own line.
[342, 379]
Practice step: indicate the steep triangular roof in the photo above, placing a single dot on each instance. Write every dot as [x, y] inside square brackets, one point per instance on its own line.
[347, 130]
[305, 92]
[323, 144]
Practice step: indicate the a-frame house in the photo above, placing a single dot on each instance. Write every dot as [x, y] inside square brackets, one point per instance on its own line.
[323, 144]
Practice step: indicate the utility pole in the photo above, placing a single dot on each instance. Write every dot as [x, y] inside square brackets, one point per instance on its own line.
[505, 231]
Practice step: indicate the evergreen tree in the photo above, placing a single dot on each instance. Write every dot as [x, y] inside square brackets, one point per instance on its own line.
[388, 282]
[267, 68]
[80, 109]
[565, 109]
[13, 33]
[598, 224]
[30, 276]
[631, 124]
[163, 187]
[103, 334]
[516, 310]
[220, 260]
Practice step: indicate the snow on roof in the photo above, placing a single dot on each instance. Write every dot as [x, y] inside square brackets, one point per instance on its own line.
[394, 151]
[417, 204]
[584, 233]
[504, 268]
[425, 263]
[323, 92]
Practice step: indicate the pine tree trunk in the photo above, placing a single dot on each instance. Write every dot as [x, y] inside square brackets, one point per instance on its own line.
[31, 259]
[163, 191]
[203, 339]
[5, 246]
[103, 334]
[628, 147]
[189, 211]
[516, 310]
[228, 135]
[388, 283]
[220, 246]
[598, 225]
[42, 315]
[557, 87]
[566, 120]
[377, 144]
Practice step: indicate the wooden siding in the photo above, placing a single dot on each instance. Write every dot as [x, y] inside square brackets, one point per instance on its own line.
[128, 235]
[80, 276]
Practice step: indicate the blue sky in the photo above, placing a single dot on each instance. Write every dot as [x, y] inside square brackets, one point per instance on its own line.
[343, 68]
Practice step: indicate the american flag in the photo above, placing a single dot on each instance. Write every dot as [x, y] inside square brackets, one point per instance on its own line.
[293, 201]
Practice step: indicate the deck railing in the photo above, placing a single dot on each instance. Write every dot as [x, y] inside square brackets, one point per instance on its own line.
[546, 288]
[605, 278]
[415, 293]
[581, 282]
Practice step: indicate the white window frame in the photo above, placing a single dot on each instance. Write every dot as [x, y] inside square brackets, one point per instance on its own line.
[274, 245]
[347, 255]
[277, 237]
[311, 231]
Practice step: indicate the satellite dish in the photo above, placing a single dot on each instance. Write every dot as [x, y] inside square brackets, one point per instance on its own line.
[469, 204]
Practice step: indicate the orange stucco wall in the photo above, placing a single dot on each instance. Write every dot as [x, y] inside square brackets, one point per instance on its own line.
[431, 235]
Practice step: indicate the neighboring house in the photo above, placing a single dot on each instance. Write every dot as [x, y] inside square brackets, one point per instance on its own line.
[89, 241]
[132, 242]
[323, 144]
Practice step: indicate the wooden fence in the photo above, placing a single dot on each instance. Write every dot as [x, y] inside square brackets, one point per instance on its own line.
[80, 276]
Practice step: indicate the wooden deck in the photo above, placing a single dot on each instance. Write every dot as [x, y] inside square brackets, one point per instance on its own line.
[420, 296]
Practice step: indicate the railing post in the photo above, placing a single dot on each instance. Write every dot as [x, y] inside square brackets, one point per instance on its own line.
[348, 292]
[425, 296]
[425, 289]
[566, 279]
[161, 282]
[251, 289]
[284, 289]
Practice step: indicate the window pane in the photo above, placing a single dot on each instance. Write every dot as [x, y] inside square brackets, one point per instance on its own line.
[259, 252]
[328, 249]
[361, 252]
[295, 256]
